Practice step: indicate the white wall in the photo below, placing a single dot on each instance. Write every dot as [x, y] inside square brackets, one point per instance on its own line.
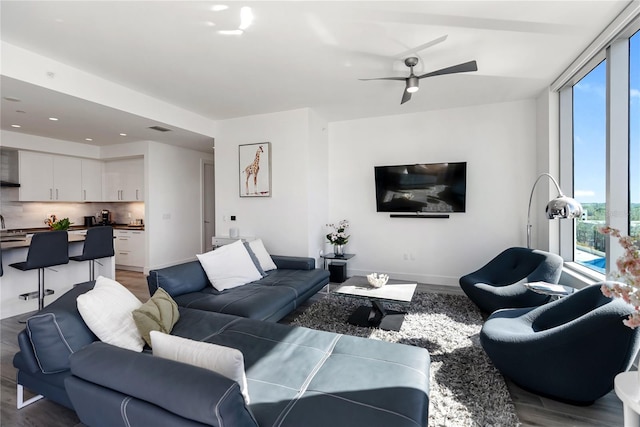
[545, 234]
[282, 220]
[173, 204]
[497, 141]
[318, 190]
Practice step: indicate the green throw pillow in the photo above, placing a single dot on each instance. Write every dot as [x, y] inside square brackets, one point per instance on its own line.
[160, 313]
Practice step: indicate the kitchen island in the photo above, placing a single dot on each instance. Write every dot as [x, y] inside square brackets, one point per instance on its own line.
[59, 278]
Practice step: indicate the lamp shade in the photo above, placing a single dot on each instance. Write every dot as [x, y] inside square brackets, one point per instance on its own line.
[563, 207]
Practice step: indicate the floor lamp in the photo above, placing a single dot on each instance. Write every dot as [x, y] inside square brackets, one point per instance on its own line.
[560, 207]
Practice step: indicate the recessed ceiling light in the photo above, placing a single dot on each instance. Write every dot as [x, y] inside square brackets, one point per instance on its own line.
[11, 98]
[53, 119]
[88, 139]
[16, 126]
[230, 32]
[219, 7]
[123, 134]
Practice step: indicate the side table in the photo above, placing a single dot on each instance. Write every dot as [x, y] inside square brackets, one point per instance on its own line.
[627, 388]
[550, 289]
[333, 257]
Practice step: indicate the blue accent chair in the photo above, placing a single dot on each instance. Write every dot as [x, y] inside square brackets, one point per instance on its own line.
[500, 283]
[569, 350]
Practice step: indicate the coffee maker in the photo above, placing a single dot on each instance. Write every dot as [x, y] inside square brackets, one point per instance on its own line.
[105, 217]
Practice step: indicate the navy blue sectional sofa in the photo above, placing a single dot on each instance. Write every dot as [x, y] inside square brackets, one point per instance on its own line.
[296, 376]
[271, 298]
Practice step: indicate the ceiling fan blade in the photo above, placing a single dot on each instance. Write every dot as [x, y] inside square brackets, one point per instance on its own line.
[415, 50]
[460, 68]
[385, 78]
[405, 96]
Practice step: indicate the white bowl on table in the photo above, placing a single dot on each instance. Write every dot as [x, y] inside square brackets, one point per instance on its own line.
[377, 280]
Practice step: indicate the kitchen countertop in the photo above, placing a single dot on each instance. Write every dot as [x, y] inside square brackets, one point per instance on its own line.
[25, 243]
[74, 228]
[20, 241]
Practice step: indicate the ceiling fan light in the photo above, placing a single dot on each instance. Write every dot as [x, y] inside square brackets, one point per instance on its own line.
[412, 84]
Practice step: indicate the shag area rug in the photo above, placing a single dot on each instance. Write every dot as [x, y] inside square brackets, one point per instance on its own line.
[466, 389]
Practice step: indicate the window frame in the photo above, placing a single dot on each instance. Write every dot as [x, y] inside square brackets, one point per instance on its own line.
[617, 54]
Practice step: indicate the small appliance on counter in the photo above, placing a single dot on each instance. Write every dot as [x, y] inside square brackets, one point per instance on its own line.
[89, 221]
[105, 217]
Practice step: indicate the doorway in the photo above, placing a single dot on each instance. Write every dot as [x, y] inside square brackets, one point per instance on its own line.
[208, 206]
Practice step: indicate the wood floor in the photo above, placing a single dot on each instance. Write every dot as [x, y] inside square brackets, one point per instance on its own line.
[533, 411]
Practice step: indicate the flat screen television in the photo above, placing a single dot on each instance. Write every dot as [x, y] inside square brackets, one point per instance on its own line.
[421, 188]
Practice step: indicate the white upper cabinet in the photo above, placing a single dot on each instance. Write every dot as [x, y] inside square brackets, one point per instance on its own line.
[91, 180]
[123, 180]
[67, 179]
[46, 177]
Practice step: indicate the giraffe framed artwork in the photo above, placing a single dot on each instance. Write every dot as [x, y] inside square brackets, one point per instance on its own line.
[255, 169]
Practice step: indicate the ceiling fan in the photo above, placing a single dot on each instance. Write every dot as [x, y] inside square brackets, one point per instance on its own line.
[412, 82]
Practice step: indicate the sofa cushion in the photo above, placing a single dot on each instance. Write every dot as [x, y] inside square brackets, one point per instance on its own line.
[333, 379]
[270, 298]
[223, 360]
[266, 262]
[107, 311]
[136, 383]
[229, 266]
[159, 313]
[57, 331]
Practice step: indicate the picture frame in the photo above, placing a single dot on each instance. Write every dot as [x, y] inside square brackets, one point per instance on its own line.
[255, 169]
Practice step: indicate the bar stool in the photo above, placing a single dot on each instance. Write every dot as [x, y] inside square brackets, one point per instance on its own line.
[98, 244]
[46, 250]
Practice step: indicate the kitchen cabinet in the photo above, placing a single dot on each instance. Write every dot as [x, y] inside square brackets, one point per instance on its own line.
[130, 248]
[91, 180]
[123, 180]
[46, 177]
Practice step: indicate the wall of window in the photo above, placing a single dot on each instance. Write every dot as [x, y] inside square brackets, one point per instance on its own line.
[634, 134]
[600, 150]
[589, 164]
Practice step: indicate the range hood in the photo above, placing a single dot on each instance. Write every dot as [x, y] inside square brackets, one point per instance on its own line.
[9, 176]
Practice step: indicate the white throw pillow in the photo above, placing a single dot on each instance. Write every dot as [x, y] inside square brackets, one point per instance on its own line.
[107, 311]
[263, 256]
[229, 266]
[226, 361]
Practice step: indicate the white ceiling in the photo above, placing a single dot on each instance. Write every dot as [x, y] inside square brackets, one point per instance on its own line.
[295, 54]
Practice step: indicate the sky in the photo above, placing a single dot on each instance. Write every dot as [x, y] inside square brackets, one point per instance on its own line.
[589, 103]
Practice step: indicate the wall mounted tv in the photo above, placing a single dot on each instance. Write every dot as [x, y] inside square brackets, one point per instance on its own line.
[421, 188]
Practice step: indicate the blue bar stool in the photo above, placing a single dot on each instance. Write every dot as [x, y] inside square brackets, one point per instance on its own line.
[46, 250]
[98, 244]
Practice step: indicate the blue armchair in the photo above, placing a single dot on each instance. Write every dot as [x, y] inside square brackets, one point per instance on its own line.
[500, 283]
[570, 349]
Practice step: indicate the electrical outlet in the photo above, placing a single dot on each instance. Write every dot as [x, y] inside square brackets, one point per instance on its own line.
[411, 257]
[405, 257]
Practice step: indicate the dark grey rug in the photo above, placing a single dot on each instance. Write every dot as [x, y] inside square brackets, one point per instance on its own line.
[466, 389]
